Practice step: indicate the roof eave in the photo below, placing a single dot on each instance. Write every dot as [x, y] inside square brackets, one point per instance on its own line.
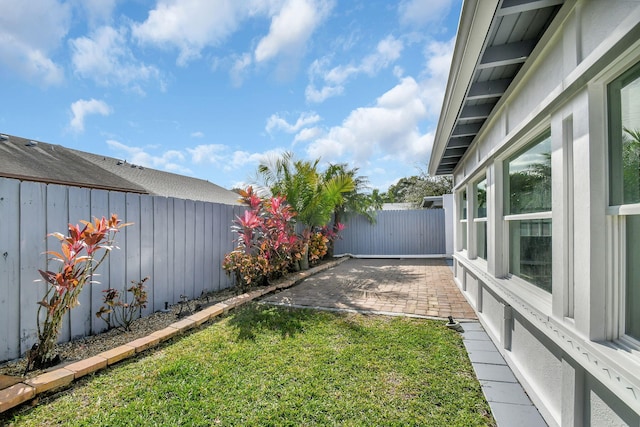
[475, 22]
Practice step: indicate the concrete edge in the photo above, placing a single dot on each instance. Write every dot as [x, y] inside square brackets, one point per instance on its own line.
[63, 376]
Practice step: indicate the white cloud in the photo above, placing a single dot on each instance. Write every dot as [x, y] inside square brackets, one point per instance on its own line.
[197, 134]
[243, 158]
[387, 51]
[275, 122]
[97, 12]
[422, 12]
[211, 153]
[307, 134]
[30, 32]
[82, 107]
[169, 160]
[105, 58]
[240, 68]
[192, 25]
[390, 127]
[291, 28]
[438, 62]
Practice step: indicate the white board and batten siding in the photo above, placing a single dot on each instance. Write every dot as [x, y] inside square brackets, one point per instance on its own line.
[178, 243]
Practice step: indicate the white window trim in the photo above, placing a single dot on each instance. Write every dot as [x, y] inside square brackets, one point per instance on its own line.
[534, 290]
[615, 286]
[479, 177]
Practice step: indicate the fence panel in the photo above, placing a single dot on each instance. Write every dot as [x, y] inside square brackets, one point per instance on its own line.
[179, 243]
[10, 285]
[160, 274]
[395, 233]
[32, 247]
[99, 208]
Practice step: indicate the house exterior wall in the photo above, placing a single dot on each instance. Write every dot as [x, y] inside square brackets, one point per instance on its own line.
[565, 345]
[178, 243]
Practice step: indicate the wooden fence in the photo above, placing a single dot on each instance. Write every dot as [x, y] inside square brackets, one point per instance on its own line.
[178, 243]
[395, 233]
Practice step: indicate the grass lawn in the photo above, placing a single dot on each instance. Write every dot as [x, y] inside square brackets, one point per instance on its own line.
[264, 365]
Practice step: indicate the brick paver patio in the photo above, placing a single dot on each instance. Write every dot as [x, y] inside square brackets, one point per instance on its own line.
[414, 287]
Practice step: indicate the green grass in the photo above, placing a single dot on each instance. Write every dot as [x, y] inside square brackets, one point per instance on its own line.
[267, 366]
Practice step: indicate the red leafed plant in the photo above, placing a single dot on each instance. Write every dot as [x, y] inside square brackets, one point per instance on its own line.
[119, 314]
[266, 240]
[81, 252]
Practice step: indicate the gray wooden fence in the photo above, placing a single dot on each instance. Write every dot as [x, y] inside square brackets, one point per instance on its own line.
[178, 243]
[395, 233]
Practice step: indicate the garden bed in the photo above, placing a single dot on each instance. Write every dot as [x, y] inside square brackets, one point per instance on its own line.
[89, 346]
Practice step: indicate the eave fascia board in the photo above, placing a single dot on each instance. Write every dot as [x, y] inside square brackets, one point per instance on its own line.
[476, 18]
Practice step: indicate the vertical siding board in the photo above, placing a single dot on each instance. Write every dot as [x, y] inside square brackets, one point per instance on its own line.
[146, 250]
[80, 210]
[199, 259]
[159, 278]
[209, 261]
[57, 220]
[190, 232]
[133, 255]
[170, 251]
[179, 249]
[32, 258]
[118, 256]
[228, 244]
[102, 280]
[218, 272]
[10, 284]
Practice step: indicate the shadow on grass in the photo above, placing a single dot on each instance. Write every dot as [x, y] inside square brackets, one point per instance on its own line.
[255, 318]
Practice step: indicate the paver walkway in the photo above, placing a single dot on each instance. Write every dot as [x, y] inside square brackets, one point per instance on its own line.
[413, 287]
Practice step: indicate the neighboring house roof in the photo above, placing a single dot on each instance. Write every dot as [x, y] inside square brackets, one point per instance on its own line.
[398, 206]
[432, 202]
[30, 160]
[494, 42]
[161, 183]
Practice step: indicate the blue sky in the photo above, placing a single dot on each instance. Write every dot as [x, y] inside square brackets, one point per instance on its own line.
[211, 88]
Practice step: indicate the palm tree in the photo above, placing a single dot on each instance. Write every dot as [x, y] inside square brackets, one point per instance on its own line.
[312, 195]
[355, 201]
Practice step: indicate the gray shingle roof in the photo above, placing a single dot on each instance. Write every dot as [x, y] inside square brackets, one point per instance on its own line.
[162, 183]
[29, 160]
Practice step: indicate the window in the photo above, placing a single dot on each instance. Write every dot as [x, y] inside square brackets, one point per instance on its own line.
[480, 218]
[463, 219]
[624, 186]
[528, 212]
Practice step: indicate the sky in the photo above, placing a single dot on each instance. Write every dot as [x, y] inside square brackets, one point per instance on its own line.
[213, 88]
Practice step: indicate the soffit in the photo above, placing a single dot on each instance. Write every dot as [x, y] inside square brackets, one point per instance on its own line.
[514, 31]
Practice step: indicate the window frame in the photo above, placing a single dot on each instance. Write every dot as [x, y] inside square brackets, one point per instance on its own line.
[463, 220]
[479, 221]
[617, 211]
[539, 135]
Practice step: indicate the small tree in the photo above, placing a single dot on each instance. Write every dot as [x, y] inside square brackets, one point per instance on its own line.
[82, 252]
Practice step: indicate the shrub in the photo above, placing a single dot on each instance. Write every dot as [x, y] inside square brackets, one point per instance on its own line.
[247, 269]
[266, 241]
[117, 313]
[82, 251]
[318, 246]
